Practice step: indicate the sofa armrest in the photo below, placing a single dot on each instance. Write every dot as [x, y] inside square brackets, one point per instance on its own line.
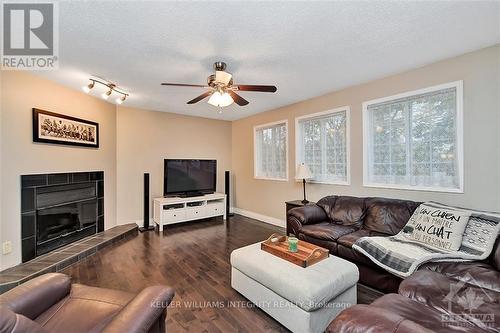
[16, 323]
[293, 226]
[143, 311]
[309, 214]
[366, 318]
[35, 296]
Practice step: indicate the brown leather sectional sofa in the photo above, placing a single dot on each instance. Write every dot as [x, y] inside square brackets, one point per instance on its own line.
[50, 303]
[337, 222]
[439, 297]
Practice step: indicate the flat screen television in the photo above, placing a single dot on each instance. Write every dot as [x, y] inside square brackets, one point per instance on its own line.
[189, 177]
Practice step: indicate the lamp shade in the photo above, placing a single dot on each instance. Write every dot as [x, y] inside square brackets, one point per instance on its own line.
[220, 100]
[303, 172]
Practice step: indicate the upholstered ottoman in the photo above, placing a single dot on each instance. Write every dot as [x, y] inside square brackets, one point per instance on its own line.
[301, 299]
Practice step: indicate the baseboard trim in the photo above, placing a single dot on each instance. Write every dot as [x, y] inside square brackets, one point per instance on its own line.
[235, 210]
[260, 217]
[140, 223]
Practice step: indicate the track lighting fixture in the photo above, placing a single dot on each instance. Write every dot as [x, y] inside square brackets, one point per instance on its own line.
[105, 95]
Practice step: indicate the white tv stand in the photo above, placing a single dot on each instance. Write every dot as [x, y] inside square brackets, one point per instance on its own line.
[177, 209]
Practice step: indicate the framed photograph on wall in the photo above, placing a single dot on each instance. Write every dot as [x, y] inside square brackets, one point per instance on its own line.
[50, 127]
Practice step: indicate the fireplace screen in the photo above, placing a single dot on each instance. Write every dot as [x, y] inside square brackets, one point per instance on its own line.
[64, 220]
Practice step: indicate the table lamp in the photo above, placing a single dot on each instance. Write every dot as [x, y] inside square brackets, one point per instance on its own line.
[303, 172]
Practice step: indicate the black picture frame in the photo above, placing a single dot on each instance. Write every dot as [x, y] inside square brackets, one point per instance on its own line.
[60, 138]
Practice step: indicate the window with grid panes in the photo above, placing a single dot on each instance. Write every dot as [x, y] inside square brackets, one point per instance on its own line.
[270, 151]
[415, 141]
[322, 144]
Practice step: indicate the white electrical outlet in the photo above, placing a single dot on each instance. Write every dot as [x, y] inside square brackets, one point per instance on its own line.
[6, 247]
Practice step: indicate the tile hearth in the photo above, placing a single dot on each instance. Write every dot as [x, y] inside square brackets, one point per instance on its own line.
[61, 258]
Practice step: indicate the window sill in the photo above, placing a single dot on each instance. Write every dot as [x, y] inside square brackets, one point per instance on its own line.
[275, 179]
[415, 188]
[330, 183]
[342, 183]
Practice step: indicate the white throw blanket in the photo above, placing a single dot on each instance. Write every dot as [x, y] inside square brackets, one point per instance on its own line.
[402, 257]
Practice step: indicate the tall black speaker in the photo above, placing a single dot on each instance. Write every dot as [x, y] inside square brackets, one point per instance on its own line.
[146, 226]
[227, 187]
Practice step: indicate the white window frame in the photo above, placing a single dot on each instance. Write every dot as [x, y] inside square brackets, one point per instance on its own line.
[255, 167]
[458, 85]
[347, 110]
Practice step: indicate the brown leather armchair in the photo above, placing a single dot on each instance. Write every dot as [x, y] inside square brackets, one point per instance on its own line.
[50, 303]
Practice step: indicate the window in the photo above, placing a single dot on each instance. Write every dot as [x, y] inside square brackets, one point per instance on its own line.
[271, 151]
[414, 140]
[322, 143]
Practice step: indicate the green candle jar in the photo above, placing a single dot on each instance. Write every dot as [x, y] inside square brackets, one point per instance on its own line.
[292, 244]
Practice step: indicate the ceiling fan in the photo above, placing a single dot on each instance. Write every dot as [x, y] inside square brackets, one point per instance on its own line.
[221, 89]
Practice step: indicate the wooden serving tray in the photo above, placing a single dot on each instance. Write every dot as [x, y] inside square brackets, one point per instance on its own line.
[308, 254]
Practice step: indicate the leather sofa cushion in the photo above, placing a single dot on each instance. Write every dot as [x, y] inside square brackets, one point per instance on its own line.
[331, 246]
[364, 318]
[421, 314]
[388, 216]
[345, 210]
[369, 273]
[326, 231]
[86, 309]
[349, 239]
[476, 273]
[452, 296]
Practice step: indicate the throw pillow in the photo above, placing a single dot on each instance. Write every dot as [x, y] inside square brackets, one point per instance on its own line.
[437, 226]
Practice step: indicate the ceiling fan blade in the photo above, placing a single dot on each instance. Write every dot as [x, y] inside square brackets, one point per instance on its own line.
[185, 85]
[253, 87]
[223, 77]
[199, 98]
[237, 98]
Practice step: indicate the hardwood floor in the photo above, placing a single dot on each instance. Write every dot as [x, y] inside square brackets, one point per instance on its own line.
[193, 258]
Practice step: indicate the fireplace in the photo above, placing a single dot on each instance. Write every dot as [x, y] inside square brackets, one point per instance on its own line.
[58, 209]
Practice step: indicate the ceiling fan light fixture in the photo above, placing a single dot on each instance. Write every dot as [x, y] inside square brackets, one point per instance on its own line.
[220, 100]
[220, 88]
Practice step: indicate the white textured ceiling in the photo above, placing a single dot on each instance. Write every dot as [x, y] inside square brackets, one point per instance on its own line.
[305, 48]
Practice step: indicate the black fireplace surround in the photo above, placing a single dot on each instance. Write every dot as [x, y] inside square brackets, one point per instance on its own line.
[58, 209]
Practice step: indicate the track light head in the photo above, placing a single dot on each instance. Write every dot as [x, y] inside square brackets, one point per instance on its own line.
[106, 94]
[88, 87]
[120, 100]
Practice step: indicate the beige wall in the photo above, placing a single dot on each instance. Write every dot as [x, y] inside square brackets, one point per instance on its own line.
[480, 74]
[145, 138]
[19, 155]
